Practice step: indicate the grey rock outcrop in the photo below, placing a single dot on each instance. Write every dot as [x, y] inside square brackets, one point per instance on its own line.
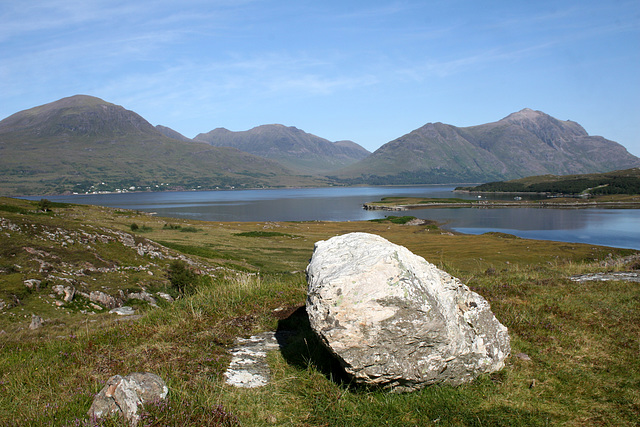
[143, 296]
[396, 321]
[124, 395]
[104, 299]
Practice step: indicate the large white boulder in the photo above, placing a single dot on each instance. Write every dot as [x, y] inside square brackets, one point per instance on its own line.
[396, 321]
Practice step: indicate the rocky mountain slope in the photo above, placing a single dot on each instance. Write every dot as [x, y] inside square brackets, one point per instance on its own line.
[83, 143]
[166, 131]
[522, 144]
[292, 147]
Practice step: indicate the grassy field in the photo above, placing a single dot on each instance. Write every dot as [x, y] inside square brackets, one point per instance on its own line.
[582, 339]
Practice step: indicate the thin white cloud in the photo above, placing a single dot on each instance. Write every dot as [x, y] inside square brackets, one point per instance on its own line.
[427, 69]
[320, 85]
[20, 19]
[259, 76]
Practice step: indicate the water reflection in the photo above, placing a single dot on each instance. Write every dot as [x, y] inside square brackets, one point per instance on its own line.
[511, 218]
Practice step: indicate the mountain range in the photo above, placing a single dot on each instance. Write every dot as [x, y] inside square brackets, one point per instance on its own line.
[84, 144]
[290, 146]
[525, 143]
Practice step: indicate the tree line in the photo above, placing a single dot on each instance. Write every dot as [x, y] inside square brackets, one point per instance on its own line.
[599, 185]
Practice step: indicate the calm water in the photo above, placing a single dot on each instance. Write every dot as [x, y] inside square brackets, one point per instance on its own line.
[609, 227]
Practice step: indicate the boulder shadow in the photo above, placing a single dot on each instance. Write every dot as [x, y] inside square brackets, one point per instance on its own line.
[301, 347]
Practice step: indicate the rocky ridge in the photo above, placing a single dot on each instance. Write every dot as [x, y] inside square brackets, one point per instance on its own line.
[85, 268]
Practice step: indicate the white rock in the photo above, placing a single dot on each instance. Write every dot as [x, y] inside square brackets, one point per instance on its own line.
[396, 321]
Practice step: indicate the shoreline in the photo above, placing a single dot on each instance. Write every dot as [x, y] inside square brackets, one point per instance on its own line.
[195, 190]
[484, 204]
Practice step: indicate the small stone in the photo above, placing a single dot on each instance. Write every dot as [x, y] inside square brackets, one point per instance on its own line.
[36, 322]
[122, 311]
[165, 296]
[124, 395]
[32, 283]
[523, 356]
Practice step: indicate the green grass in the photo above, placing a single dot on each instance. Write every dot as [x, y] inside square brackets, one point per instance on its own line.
[195, 250]
[14, 209]
[263, 234]
[189, 230]
[394, 219]
[582, 338]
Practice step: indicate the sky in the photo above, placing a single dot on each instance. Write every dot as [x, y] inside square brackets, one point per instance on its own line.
[368, 71]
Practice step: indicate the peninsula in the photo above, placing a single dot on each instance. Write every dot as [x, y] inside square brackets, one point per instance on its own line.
[620, 189]
[406, 203]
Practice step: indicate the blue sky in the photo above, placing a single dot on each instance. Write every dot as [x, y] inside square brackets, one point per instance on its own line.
[369, 71]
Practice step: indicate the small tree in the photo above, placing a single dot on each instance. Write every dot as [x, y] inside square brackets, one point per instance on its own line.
[182, 277]
[44, 205]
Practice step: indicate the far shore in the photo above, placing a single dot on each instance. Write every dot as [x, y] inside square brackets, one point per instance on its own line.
[566, 202]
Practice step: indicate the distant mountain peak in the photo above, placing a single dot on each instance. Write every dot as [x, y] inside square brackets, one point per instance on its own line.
[292, 147]
[544, 126]
[83, 98]
[525, 114]
[78, 114]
